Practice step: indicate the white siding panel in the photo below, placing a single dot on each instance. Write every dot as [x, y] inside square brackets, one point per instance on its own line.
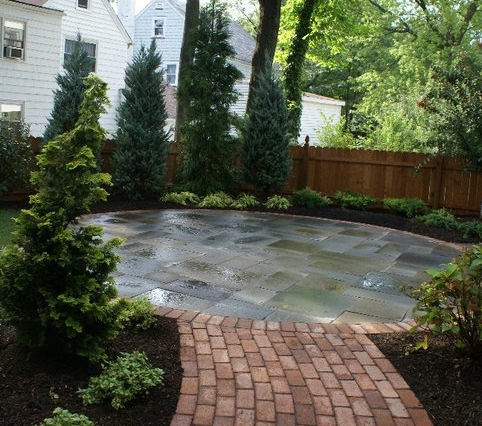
[97, 26]
[313, 116]
[32, 81]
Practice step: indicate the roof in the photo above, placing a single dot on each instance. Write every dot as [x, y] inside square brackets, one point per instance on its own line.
[313, 97]
[243, 43]
[35, 3]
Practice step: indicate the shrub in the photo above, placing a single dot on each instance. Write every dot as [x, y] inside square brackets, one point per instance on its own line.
[277, 202]
[122, 380]
[408, 207]
[471, 229]
[265, 154]
[135, 313]
[353, 200]
[439, 218]
[309, 198]
[208, 146]
[451, 302]
[16, 156]
[217, 200]
[55, 280]
[63, 417]
[139, 161]
[244, 201]
[184, 198]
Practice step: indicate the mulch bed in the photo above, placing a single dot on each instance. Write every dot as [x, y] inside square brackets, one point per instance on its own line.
[447, 384]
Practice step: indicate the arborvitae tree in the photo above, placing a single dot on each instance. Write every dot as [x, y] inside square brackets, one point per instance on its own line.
[68, 97]
[139, 161]
[55, 282]
[265, 155]
[208, 147]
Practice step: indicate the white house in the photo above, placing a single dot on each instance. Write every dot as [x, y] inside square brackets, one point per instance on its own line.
[163, 20]
[29, 61]
[37, 36]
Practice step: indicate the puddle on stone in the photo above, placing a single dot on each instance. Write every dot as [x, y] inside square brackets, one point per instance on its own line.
[160, 297]
[381, 281]
[200, 289]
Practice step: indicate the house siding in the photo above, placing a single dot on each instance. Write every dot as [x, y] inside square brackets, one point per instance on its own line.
[96, 25]
[170, 45]
[31, 81]
[317, 110]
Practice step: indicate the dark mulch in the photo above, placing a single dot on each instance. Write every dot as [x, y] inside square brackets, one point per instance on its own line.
[445, 382]
[33, 385]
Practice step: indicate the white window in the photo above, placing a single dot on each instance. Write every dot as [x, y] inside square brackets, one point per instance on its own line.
[159, 26]
[13, 39]
[171, 74]
[83, 4]
[10, 111]
[90, 48]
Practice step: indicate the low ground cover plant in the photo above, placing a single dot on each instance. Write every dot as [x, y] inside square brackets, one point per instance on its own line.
[353, 200]
[277, 202]
[183, 198]
[309, 198]
[451, 301]
[62, 417]
[123, 380]
[135, 314]
[439, 218]
[244, 201]
[408, 207]
[217, 200]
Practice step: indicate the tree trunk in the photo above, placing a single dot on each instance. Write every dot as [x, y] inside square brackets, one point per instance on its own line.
[266, 39]
[186, 59]
[294, 65]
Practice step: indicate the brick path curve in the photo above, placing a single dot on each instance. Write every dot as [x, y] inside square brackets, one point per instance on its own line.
[242, 372]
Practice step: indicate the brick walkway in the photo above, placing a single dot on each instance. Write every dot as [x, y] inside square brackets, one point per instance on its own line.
[241, 372]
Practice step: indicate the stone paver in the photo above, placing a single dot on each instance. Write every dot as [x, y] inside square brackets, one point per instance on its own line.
[239, 372]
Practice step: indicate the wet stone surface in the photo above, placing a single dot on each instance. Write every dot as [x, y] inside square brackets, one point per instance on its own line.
[272, 267]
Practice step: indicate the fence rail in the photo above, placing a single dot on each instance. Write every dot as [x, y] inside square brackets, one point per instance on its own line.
[438, 181]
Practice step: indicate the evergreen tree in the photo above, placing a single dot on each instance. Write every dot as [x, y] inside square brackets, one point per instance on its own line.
[68, 97]
[139, 161]
[55, 283]
[265, 155]
[208, 148]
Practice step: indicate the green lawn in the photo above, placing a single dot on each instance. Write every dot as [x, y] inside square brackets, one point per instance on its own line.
[6, 225]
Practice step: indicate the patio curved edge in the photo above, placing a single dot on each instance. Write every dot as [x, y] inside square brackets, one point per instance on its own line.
[243, 372]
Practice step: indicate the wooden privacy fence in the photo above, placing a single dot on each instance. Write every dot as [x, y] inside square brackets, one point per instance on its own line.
[438, 181]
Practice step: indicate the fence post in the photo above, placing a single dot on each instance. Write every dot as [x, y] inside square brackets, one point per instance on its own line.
[305, 161]
[439, 163]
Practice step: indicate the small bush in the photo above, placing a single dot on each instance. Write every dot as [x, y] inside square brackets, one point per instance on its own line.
[218, 200]
[471, 229]
[63, 417]
[277, 202]
[309, 198]
[451, 302]
[439, 218]
[122, 380]
[184, 198]
[16, 156]
[244, 201]
[408, 207]
[135, 314]
[353, 200]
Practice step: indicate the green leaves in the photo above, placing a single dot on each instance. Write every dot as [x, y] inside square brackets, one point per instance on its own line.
[451, 302]
[123, 380]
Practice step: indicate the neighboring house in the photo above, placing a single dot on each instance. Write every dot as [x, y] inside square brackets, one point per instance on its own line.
[45, 31]
[317, 111]
[163, 20]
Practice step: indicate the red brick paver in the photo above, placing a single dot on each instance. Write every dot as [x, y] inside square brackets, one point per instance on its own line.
[246, 372]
